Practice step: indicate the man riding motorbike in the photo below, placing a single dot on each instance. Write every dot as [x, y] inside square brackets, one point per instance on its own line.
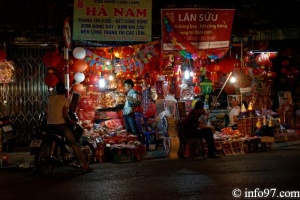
[58, 119]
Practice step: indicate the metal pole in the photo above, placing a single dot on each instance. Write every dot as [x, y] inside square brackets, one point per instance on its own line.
[67, 71]
[216, 99]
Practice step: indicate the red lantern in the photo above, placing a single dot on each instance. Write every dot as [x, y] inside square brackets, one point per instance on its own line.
[80, 65]
[229, 89]
[197, 90]
[51, 59]
[285, 63]
[213, 67]
[51, 80]
[228, 64]
[262, 59]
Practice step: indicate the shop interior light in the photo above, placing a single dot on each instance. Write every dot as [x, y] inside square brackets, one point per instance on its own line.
[102, 82]
[186, 74]
[107, 62]
[191, 73]
[232, 79]
[110, 77]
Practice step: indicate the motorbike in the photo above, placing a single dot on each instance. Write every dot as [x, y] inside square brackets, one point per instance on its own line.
[51, 149]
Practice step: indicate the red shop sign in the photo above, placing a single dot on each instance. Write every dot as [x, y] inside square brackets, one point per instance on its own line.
[204, 28]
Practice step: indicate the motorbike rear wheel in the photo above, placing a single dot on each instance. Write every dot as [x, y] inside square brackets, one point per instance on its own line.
[42, 161]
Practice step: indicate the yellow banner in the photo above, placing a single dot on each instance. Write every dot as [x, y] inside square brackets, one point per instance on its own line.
[112, 20]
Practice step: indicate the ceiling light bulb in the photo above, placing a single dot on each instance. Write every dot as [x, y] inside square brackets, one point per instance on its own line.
[186, 74]
[232, 79]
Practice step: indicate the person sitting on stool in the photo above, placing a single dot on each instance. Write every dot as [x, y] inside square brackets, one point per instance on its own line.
[193, 129]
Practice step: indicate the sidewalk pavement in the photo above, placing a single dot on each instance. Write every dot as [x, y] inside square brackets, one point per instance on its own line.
[21, 158]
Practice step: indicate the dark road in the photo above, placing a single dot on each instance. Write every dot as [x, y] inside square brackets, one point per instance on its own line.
[270, 172]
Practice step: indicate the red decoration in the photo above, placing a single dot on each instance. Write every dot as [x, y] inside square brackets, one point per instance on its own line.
[51, 59]
[262, 59]
[213, 67]
[285, 63]
[228, 64]
[91, 79]
[51, 80]
[197, 90]
[80, 65]
[86, 103]
[78, 87]
[2, 55]
[229, 89]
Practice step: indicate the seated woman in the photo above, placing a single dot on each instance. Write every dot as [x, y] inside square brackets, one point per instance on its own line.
[193, 129]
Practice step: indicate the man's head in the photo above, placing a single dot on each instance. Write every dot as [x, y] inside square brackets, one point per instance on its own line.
[199, 106]
[60, 88]
[128, 84]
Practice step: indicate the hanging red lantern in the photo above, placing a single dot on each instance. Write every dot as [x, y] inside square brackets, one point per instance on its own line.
[214, 76]
[229, 89]
[271, 75]
[213, 67]
[285, 63]
[262, 59]
[51, 59]
[80, 66]
[229, 64]
[51, 80]
[197, 90]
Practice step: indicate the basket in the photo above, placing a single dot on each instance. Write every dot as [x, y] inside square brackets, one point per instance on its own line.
[123, 158]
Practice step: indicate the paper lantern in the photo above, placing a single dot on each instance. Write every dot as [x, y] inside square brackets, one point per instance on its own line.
[78, 87]
[79, 53]
[197, 90]
[229, 64]
[262, 59]
[79, 77]
[51, 80]
[51, 59]
[6, 71]
[213, 67]
[229, 89]
[80, 65]
[206, 87]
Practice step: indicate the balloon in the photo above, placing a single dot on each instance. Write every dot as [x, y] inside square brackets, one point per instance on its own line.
[80, 65]
[78, 87]
[79, 77]
[79, 53]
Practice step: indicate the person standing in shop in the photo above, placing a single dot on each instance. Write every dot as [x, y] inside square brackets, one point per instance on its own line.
[193, 129]
[128, 110]
[57, 119]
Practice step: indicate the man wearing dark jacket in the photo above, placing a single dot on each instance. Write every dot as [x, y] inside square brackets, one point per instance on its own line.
[193, 129]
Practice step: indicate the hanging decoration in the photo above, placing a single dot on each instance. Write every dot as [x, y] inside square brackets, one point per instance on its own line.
[79, 53]
[51, 80]
[6, 71]
[51, 59]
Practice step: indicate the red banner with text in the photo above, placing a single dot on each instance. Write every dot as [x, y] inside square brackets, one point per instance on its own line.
[203, 28]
